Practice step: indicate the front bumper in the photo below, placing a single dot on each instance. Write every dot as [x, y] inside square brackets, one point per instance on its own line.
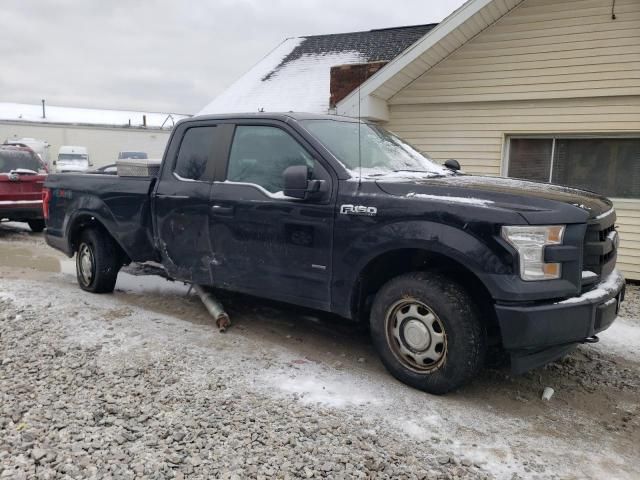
[537, 334]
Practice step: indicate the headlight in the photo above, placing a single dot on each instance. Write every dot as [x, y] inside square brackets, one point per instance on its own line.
[529, 241]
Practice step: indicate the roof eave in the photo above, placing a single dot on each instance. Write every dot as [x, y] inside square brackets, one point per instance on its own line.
[376, 90]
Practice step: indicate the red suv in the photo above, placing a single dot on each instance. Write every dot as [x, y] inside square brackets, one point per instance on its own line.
[22, 174]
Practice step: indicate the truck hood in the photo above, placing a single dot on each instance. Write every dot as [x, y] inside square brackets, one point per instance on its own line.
[526, 197]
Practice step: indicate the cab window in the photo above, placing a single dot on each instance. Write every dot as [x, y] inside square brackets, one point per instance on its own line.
[260, 155]
[196, 152]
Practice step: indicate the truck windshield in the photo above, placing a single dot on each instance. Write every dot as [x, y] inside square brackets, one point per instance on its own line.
[72, 156]
[14, 159]
[380, 151]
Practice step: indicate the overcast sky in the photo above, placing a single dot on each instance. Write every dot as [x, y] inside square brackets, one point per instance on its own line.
[166, 55]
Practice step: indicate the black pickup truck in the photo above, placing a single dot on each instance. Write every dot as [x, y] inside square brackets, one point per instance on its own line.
[343, 216]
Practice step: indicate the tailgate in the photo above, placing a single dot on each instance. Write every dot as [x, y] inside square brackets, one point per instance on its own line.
[21, 187]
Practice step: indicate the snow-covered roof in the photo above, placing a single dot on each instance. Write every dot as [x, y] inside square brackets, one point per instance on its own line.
[86, 116]
[295, 76]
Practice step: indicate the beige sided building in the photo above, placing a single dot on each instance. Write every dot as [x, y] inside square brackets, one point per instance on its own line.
[540, 89]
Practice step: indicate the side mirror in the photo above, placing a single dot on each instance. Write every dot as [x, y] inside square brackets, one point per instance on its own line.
[54, 162]
[452, 164]
[297, 183]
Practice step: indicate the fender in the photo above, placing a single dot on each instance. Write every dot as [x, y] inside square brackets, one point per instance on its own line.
[459, 245]
[101, 215]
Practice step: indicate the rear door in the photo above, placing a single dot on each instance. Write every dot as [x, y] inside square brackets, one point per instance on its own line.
[182, 200]
[265, 243]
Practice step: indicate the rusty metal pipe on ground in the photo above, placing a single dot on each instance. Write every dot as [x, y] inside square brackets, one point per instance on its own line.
[214, 307]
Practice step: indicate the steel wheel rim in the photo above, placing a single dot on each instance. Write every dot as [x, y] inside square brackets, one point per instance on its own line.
[85, 264]
[416, 335]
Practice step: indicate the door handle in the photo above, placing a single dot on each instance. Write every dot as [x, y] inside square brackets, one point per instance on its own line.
[222, 210]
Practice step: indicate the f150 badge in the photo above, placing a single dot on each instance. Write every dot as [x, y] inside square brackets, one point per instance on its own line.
[358, 210]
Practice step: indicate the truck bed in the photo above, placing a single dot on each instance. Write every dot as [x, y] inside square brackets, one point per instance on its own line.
[121, 204]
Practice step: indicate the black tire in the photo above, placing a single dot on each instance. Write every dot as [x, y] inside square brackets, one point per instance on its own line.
[97, 262]
[427, 314]
[36, 226]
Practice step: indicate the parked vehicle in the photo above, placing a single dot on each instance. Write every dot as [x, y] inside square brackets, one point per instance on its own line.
[132, 155]
[111, 169]
[22, 175]
[341, 216]
[40, 147]
[73, 159]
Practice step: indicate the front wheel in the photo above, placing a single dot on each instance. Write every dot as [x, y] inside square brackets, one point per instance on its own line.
[97, 262]
[427, 331]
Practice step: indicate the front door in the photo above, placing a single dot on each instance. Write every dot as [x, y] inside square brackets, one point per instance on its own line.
[265, 243]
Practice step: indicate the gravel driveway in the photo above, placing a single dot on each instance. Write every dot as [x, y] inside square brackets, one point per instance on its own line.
[139, 384]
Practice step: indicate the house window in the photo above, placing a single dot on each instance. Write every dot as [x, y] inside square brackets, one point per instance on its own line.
[609, 166]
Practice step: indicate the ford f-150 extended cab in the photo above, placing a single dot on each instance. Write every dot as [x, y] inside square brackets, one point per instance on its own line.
[343, 216]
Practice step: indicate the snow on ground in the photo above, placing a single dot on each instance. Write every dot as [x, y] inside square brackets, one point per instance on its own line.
[623, 339]
[152, 393]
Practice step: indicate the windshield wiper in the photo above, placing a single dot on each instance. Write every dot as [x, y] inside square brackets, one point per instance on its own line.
[426, 172]
[389, 172]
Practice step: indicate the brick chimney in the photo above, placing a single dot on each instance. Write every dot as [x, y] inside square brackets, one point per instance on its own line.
[346, 78]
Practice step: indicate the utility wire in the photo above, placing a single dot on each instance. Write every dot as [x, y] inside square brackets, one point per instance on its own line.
[359, 128]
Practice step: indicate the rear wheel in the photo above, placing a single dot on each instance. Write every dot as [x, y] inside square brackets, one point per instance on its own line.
[427, 332]
[97, 262]
[36, 225]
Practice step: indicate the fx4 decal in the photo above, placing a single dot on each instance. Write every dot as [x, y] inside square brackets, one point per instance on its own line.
[358, 210]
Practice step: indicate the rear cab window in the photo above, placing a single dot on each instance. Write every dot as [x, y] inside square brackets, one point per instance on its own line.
[195, 159]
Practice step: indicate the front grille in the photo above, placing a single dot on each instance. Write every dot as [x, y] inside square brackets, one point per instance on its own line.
[599, 249]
